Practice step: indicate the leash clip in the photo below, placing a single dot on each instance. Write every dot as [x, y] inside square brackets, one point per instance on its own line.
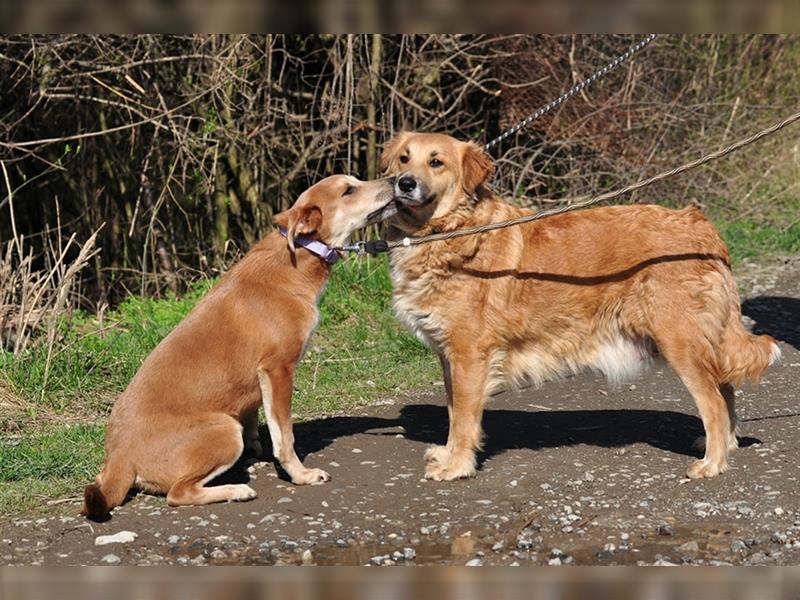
[371, 247]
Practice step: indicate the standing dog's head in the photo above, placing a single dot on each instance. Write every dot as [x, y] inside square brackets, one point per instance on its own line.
[335, 207]
[434, 173]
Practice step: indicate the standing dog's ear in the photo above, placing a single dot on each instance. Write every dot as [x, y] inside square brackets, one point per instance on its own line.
[299, 220]
[478, 167]
[393, 148]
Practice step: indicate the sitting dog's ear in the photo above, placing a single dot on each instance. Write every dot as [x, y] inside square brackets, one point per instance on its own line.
[478, 167]
[393, 148]
[299, 220]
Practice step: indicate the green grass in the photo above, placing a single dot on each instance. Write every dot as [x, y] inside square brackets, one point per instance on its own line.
[52, 462]
[92, 361]
[750, 239]
[360, 354]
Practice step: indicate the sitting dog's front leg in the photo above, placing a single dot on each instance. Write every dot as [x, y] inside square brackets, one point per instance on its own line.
[276, 394]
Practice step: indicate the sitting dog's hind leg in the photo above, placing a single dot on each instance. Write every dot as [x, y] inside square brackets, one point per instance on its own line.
[212, 451]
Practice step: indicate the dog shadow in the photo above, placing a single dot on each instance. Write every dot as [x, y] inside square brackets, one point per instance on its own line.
[505, 430]
[778, 316]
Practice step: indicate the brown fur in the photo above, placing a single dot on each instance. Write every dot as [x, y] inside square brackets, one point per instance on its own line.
[593, 289]
[192, 408]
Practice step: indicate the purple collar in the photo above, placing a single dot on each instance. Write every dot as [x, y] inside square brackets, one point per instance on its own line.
[321, 249]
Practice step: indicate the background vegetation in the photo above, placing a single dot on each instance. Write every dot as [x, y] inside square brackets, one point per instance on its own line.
[135, 169]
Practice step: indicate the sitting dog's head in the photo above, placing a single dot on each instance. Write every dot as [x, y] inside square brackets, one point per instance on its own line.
[433, 173]
[335, 207]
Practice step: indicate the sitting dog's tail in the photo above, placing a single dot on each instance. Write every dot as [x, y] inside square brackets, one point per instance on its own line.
[108, 491]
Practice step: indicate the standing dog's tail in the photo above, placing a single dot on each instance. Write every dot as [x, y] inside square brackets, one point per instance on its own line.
[109, 489]
[745, 356]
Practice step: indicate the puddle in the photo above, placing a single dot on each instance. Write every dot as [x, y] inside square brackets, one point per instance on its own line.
[711, 542]
[357, 555]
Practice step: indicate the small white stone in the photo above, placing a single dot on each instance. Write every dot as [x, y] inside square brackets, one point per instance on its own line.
[110, 559]
[475, 562]
[123, 537]
[778, 511]
[356, 451]
[284, 500]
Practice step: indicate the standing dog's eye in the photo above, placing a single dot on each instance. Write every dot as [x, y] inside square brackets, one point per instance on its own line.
[350, 189]
[435, 162]
[404, 159]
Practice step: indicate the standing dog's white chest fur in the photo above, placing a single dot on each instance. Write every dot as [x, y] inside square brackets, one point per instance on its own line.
[412, 289]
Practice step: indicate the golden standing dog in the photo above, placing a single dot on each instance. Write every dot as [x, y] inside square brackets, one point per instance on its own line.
[599, 289]
[181, 421]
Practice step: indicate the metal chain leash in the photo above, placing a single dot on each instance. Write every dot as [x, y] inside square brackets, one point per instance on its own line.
[574, 90]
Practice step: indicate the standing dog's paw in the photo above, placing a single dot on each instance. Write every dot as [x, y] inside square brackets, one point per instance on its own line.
[450, 470]
[437, 454]
[705, 468]
[311, 477]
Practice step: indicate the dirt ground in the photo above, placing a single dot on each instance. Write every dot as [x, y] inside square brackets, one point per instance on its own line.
[572, 473]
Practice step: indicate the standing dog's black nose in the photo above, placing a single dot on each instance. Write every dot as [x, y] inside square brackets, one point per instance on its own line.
[407, 184]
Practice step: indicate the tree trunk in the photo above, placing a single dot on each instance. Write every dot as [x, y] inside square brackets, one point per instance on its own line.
[220, 213]
[374, 101]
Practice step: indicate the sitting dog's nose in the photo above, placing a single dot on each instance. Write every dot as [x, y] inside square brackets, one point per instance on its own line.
[407, 184]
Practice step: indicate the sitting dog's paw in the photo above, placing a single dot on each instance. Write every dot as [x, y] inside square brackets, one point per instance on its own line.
[450, 470]
[311, 477]
[242, 493]
[437, 454]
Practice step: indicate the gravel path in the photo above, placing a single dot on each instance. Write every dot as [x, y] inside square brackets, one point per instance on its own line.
[573, 473]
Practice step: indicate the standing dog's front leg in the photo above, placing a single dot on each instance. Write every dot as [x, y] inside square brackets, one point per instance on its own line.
[467, 373]
[437, 453]
[276, 394]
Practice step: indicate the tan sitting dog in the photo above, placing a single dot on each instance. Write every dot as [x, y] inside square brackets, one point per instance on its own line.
[181, 421]
[597, 289]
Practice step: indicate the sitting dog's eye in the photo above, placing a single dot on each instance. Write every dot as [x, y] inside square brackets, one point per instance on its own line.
[404, 159]
[435, 162]
[350, 189]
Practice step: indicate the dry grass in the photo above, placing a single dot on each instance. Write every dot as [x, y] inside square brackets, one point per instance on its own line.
[35, 289]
